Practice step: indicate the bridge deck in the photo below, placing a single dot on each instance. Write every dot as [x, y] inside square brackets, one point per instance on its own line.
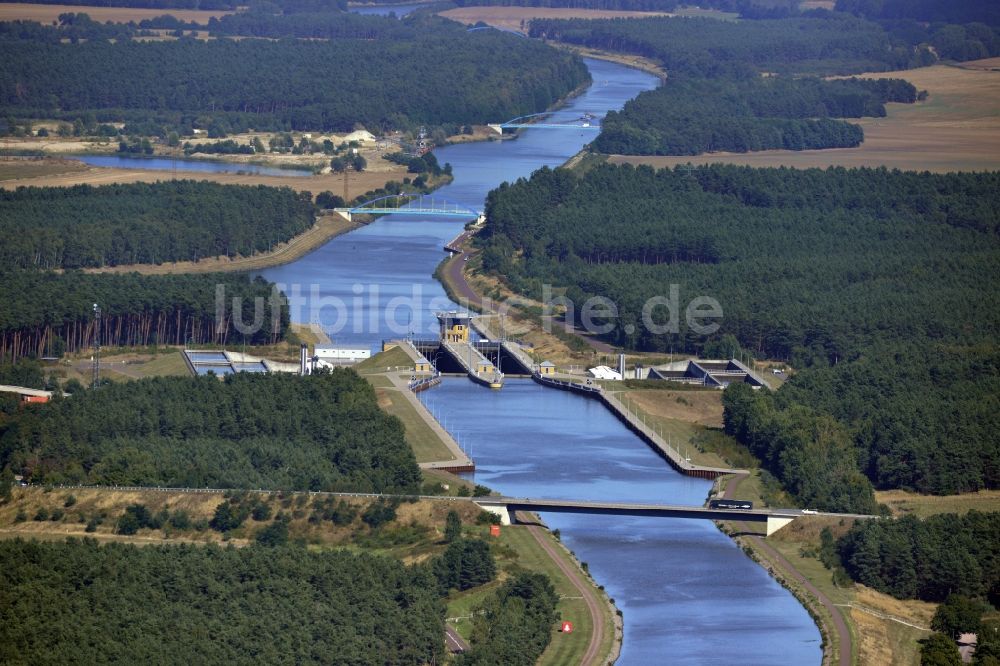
[630, 509]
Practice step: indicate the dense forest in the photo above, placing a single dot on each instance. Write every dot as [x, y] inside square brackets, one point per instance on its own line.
[323, 432]
[817, 42]
[833, 44]
[931, 11]
[48, 313]
[688, 116]
[443, 74]
[879, 285]
[143, 223]
[87, 603]
[926, 559]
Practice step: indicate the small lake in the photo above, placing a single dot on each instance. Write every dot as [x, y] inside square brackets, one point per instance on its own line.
[197, 166]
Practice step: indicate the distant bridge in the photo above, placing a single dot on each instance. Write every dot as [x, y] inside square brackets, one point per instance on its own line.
[423, 205]
[584, 122]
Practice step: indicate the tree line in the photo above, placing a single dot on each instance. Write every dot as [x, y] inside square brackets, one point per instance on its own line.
[322, 432]
[48, 313]
[927, 559]
[824, 44]
[877, 285]
[688, 116]
[443, 74]
[214, 5]
[145, 223]
[183, 604]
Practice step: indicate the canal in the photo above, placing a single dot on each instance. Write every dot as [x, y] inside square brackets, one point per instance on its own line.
[688, 594]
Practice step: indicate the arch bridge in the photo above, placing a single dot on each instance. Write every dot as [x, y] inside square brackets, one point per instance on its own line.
[537, 121]
[423, 205]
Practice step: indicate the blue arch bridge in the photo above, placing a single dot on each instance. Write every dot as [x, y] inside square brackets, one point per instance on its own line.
[543, 121]
[423, 205]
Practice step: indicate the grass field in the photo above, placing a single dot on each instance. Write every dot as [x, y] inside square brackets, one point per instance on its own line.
[903, 503]
[17, 11]
[381, 362]
[956, 129]
[426, 444]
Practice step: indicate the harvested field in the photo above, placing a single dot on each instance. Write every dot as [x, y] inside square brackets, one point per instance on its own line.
[905, 503]
[358, 183]
[956, 129]
[512, 18]
[20, 11]
[19, 169]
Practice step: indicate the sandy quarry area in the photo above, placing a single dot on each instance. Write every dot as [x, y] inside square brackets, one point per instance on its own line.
[956, 129]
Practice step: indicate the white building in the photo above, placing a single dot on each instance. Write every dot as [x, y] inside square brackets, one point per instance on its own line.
[342, 354]
[604, 372]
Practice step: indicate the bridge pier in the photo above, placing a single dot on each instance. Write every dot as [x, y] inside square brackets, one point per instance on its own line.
[775, 523]
[499, 509]
[344, 213]
[496, 128]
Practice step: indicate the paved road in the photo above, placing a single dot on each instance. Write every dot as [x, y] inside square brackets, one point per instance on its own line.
[455, 270]
[586, 590]
[840, 625]
[453, 641]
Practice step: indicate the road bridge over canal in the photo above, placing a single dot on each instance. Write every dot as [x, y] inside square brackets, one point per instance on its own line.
[536, 121]
[775, 519]
[422, 205]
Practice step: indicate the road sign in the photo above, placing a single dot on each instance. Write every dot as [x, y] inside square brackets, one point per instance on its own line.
[494, 530]
[567, 627]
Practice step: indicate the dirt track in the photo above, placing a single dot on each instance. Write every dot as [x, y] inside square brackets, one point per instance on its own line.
[840, 625]
[591, 656]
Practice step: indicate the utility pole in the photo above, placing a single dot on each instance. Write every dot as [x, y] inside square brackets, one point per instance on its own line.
[97, 353]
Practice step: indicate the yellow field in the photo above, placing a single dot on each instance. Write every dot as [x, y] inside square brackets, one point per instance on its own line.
[956, 129]
[358, 183]
[512, 18]
[18, 11]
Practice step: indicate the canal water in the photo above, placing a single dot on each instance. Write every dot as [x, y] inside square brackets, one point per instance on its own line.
[688, 595]
[197, 166]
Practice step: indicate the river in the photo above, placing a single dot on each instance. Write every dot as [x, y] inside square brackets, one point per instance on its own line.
[688, 594]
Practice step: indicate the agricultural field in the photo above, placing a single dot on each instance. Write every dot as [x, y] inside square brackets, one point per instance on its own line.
[957, 128]
[23, 11]
[517, 18]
